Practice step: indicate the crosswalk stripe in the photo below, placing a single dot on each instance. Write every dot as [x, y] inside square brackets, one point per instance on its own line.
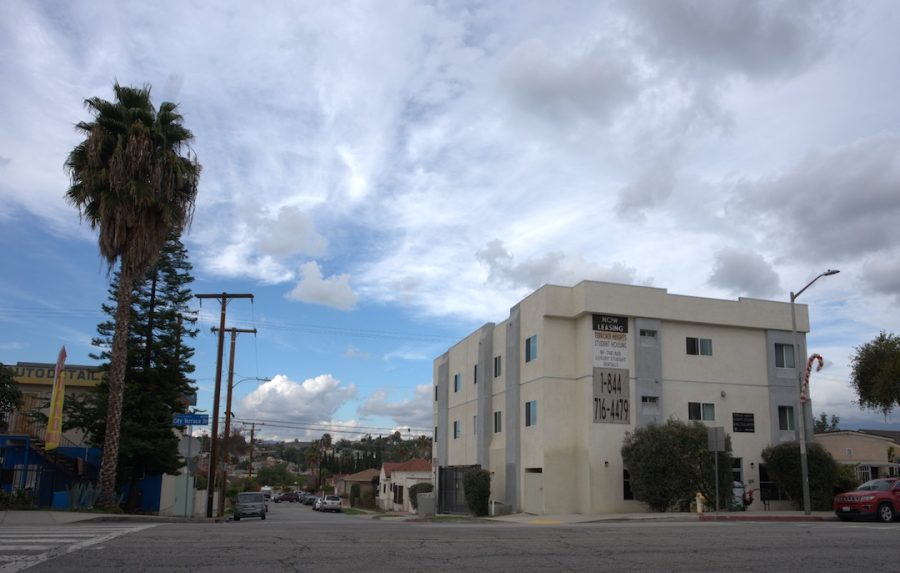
[53, 542]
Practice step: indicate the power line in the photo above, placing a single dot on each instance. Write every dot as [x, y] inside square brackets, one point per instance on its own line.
[30, 312]
[350, 429]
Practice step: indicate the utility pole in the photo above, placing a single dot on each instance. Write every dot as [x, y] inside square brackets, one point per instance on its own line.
[223, 485]
[252, 432]
[223, 299]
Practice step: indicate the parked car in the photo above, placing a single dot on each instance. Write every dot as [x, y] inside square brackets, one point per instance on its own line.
[250, 504]
[309, 499]
[331, 503]
[317, 505]
[289, 496]
[877, 498]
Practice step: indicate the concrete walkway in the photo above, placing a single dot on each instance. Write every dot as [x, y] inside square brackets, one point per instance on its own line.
[568, 519]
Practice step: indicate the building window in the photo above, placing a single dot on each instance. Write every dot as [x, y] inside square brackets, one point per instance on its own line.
[786, 418]
[434, 435]
[701, 411]
[648, 338]
[699, 346]
[455, 429]
[863, 473]
[531, 413]
[457, 381]
[497, 366]
[498, 422]
[435, 393]
[475, 375]
[398, 494]
[784, 355]
[626, 485]
[531, 349]
[475, 425]
[650, 404]
[737, 470]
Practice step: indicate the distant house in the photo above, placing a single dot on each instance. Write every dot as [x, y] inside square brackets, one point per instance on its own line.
[363, 479]
[395, 481]
[873, 453]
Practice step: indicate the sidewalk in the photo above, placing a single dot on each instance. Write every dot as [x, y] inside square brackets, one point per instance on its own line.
[40, 517]
[570, 519]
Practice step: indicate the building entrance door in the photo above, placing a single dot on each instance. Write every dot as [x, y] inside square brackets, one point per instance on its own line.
[534, 491]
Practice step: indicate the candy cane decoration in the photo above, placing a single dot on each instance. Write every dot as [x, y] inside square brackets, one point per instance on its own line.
[804, 392]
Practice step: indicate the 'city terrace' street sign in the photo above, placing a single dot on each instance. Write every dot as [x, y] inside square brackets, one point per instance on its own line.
[190, 419]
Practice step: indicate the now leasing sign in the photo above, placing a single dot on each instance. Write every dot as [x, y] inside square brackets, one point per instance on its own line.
[610, 341]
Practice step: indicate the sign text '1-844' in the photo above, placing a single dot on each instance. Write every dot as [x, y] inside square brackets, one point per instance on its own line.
[611, 396]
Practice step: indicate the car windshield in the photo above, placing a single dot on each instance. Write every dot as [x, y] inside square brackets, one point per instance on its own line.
[875, 485]
[250, 497]
[332, 498]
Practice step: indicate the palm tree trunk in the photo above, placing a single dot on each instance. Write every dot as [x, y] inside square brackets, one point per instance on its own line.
[107, 498]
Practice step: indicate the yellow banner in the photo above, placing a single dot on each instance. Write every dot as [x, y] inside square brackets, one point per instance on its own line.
[54, 423]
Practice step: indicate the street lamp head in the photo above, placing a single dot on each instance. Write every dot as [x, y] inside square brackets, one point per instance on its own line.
[830, 272]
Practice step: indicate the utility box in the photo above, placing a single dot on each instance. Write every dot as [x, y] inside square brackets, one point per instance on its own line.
[426, 507]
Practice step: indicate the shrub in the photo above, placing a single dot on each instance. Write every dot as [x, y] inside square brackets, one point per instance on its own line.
[668, 464]
[783, 465]
[415, 490]
[477, 488]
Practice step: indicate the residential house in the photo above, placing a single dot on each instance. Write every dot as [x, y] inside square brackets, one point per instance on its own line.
[363, 479]
[872, 453]
[395, 480]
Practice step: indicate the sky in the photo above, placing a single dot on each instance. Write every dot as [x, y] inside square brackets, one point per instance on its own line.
[385, 177]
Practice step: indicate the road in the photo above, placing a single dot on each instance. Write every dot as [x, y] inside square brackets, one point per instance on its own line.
[295, 538]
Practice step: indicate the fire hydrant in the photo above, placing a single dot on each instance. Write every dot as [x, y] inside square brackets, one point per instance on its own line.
[699, 500]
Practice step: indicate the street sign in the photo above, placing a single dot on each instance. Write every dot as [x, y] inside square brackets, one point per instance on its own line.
[190, 419]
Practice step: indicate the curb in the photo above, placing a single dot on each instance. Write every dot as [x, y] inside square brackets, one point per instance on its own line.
[769, 518]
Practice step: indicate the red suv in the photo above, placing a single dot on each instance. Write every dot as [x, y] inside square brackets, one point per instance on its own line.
[878, 498]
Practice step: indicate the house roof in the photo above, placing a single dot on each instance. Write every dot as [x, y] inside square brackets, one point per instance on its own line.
[363, 476]
[417, 465]
[889, 434]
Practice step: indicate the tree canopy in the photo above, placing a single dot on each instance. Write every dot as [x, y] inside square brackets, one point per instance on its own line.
[876, 373]
[158, 365]
[10, 394]
[823, 424]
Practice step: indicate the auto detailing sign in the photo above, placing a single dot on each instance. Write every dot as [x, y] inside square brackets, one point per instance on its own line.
[44, 374]
[610, 341]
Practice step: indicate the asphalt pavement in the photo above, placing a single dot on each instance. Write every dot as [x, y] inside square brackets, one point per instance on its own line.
[42, 517]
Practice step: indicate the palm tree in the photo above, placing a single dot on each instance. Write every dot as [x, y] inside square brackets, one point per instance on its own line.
[130, 180]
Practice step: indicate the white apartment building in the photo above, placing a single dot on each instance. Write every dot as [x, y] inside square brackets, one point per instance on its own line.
[544, 399]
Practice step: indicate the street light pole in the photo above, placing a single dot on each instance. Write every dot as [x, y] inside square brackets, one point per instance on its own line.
[804, 463]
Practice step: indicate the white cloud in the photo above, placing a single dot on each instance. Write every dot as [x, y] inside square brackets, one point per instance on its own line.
[290, 232]
[412, 412]
[312, 401]
[354, 352]
[334, 291]
[744, 273]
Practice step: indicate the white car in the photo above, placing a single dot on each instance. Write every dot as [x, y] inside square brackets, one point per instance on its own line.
[331, 503]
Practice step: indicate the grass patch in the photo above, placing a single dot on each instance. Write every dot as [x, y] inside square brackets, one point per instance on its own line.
[353, 511]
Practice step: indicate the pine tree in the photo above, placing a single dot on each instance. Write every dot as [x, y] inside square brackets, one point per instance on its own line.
[157, 382]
